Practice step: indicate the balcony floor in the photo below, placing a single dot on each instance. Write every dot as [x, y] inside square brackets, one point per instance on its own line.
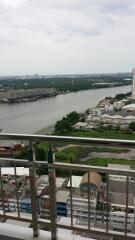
[12, 232]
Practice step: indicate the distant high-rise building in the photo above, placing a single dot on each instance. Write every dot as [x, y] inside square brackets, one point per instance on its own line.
[133, 84]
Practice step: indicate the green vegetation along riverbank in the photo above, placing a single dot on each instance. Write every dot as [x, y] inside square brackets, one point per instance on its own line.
[100, 133]
[89, 155]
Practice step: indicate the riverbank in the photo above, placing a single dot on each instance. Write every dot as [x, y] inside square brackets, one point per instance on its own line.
[31, 117]
[48, 130]
[14, 96]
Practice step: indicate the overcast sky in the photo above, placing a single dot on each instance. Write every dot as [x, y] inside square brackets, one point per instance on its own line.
[66, 36]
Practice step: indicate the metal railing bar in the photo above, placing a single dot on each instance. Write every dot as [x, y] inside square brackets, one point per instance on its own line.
[32, 164]
[2, 196]
[44, 163]
[59, 165]
[134, 198]
[16, 218]
[17, 196]
[52, 138]
[79, 229]
[89, 200]
[126, 213]
[33, 192]
[18, 162]
[97, 231]
[99, 169]
[52, 192]
[12, 160]
[22, 219]
[71, 199]
[107, 212]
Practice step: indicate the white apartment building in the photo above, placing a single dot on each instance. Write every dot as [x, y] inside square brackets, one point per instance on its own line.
[80, 213]
[80, 209]
[120, 178]
[117, 220]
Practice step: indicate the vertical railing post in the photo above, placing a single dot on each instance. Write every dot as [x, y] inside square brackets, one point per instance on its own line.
[71, 199]
[32, 171]
[17, 195]
[126, 213]
[107, 205]
[2, 192]
[89, 205]
[52, 193]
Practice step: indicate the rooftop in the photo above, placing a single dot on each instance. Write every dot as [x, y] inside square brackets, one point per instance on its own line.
[62, 196]
[130, 107]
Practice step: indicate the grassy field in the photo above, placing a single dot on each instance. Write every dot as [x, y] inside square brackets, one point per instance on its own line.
[111, 134]
[74, 154]
[110, 150]
[103, 162]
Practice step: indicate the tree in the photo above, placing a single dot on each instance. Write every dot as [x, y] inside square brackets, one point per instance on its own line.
[67, 122]
[40, 154]
[132, 126]
[64, 124]
[73, 117]
[118, 127]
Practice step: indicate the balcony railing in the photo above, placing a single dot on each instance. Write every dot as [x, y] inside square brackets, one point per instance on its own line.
[88, 222]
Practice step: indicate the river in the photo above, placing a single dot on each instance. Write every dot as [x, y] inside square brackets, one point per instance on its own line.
[32, 116]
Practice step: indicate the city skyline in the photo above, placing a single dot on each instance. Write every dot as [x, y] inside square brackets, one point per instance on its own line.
[66, 37]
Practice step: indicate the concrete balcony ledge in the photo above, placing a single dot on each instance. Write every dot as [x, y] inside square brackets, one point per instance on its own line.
[12, 232]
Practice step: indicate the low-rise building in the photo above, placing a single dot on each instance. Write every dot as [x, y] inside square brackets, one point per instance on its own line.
[118, 105]
[80, 209]
[81, 125]
[61, 202]
[117, 220]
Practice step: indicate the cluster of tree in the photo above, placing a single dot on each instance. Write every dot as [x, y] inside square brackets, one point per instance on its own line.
[132, 126]
[67, 122]
[66, 83]
[121, 96]
[41, 155]
[26, 153]
[118, 97]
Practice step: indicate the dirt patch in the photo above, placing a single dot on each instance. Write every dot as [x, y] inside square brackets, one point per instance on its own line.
[59, 149]
[130, 155]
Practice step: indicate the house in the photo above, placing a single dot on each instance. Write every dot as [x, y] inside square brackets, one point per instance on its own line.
[118, 105]
[81, 125]
[61, 202]
[25, 205]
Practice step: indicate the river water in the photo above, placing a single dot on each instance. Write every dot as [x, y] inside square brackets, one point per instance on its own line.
[32, 116]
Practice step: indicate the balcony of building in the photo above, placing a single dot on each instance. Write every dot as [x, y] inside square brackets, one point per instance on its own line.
[38, 207]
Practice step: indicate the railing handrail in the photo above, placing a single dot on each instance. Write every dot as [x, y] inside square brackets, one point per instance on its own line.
[70, 166]
[32, 163]
[79, 140]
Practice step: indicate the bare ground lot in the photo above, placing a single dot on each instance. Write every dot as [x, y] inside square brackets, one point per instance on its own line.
[128, 156]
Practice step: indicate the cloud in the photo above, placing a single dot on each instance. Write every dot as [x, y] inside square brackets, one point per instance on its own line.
[35, 23]
[67, 18]
[59, 19]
